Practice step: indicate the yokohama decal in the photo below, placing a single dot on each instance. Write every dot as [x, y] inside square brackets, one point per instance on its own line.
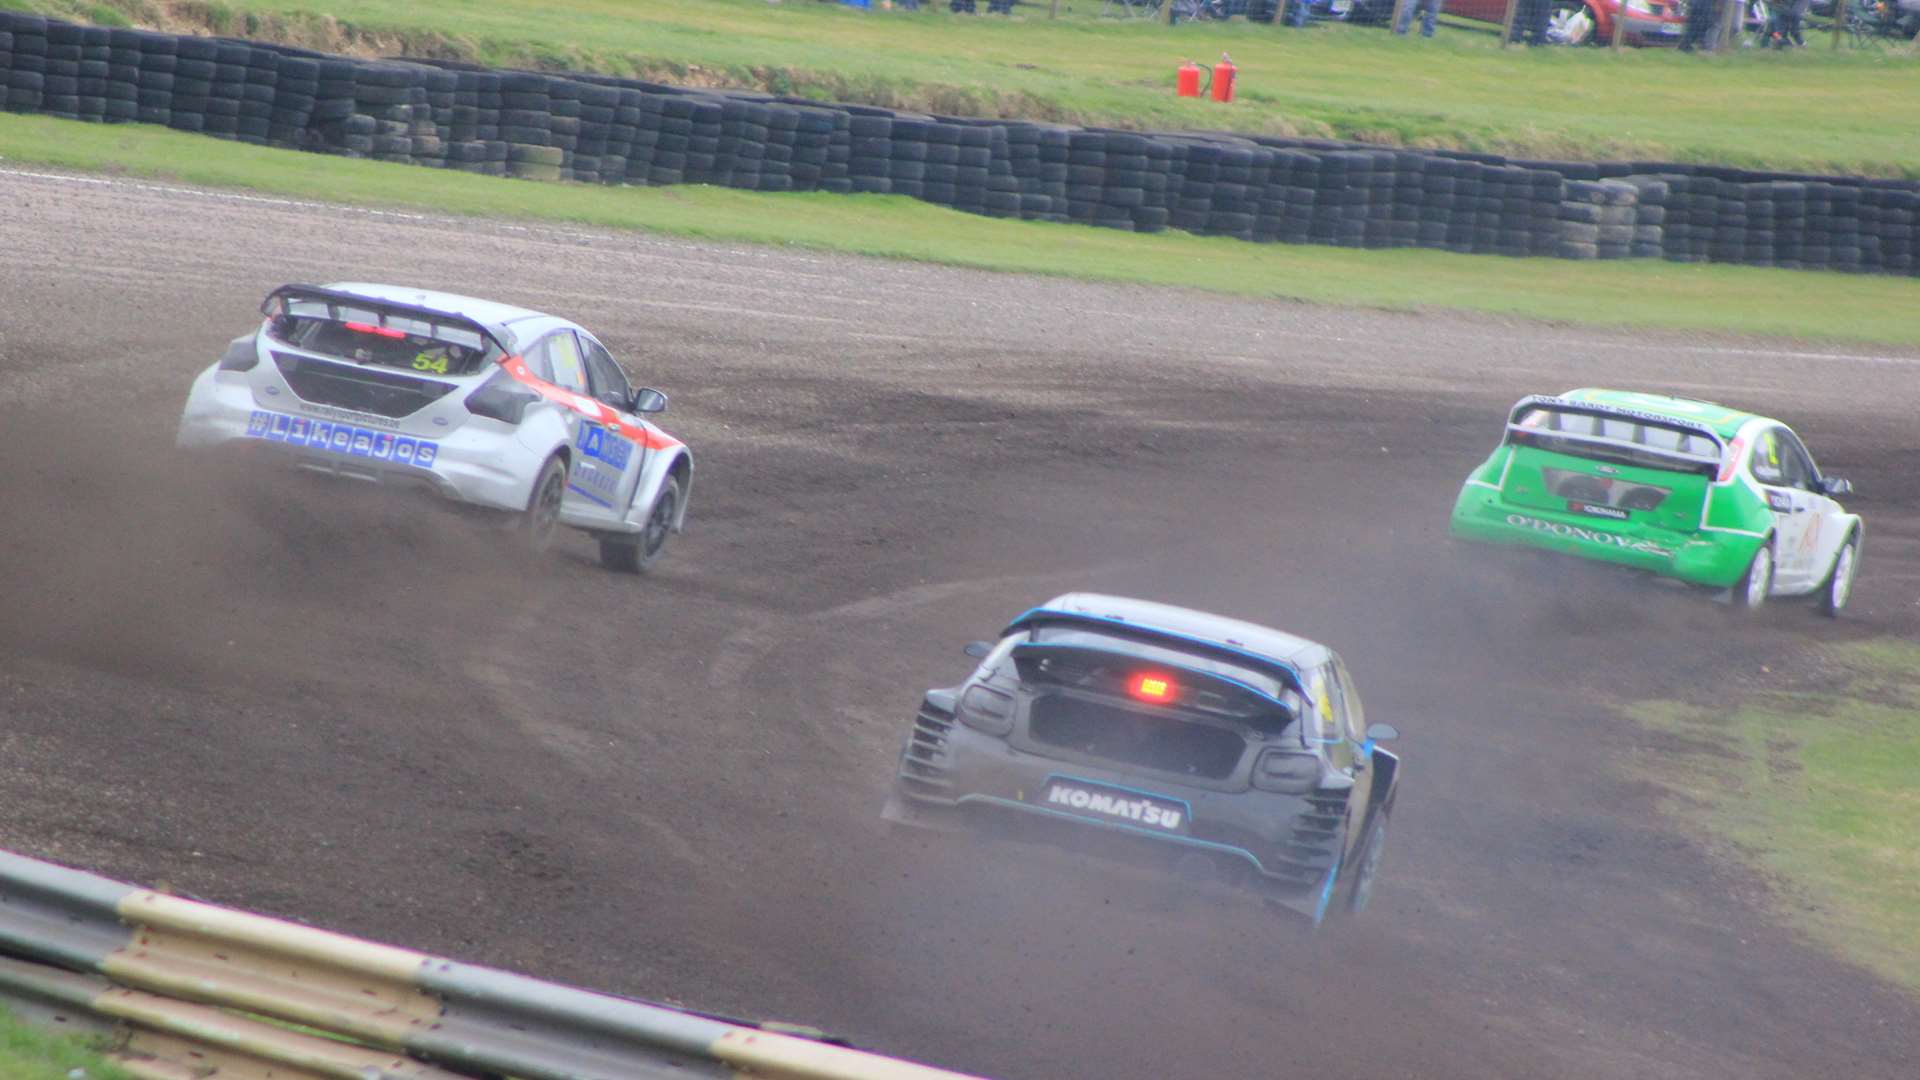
[586, 406]
[1591, 536]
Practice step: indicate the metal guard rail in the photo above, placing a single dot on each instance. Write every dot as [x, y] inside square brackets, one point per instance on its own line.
[190, 990]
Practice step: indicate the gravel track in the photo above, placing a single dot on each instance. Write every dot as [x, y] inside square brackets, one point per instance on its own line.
[332, 706]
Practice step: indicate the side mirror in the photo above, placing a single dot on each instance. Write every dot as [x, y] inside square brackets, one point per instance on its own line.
[978, 649]
[648, 400]
[1382, 732]
[1836, 486]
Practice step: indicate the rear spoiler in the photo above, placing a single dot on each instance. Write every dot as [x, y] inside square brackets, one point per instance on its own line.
[335, 299]
[1035, 650]
[1614, 412]
[1122, 628]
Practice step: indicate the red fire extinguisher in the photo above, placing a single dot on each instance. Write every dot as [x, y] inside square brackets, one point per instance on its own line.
[1186, 81]
[1223, 76]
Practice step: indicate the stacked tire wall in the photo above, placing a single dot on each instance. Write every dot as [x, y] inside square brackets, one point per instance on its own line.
[599, 129]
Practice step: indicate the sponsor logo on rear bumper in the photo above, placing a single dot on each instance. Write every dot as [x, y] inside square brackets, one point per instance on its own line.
[1591, 536]
[1161, 815]
[344, 439]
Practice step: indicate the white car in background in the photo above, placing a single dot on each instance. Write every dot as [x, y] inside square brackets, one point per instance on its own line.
[487, 404]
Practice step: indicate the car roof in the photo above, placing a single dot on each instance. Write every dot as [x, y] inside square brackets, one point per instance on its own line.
[1235, 635]
[486, 312]
[1724, 421]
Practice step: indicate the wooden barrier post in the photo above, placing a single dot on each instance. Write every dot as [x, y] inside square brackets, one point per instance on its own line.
[1619, 26]
[1166, 12]
[1506, 21]
[1839, 22]
[1398, 7]
[1053, 9]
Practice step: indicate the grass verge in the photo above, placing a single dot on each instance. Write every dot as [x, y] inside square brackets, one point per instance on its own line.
[32, 1053]
[1636, 293]
[1815, 789]
[1812, 109]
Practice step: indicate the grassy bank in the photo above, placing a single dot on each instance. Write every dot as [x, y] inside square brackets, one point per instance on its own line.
[31, 1053]
[1813, 109]
[1639, 293]
[1817, 792]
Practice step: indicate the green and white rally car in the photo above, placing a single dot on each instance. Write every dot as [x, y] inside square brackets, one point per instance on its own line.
[1686, 489]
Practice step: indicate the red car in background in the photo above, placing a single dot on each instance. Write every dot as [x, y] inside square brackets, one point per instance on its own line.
[1590, 22]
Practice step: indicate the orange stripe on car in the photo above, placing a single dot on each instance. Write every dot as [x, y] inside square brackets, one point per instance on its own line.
[593, 410]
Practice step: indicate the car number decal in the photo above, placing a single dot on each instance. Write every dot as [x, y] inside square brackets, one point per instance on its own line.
[344, 439]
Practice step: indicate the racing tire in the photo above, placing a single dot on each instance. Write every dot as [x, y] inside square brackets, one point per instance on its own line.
[637, 555]
[1367, 864]
[1750, 592]
[542, 517]
[1839, 587]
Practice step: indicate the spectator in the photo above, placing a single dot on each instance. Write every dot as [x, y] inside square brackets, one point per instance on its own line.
[1530, 21]
[1429, 11]
[1792, 16]
[1698, 31]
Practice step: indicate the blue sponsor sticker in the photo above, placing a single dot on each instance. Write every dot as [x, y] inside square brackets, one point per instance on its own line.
[342, 439]
[603, 445]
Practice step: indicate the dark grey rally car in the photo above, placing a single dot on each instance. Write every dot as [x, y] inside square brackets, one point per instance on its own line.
[1193, 739]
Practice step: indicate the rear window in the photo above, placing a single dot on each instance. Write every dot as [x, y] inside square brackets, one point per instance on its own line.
[1627, 440]
[391, 341]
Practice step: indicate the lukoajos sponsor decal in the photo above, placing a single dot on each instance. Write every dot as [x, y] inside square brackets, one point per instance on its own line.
[342, 439]
[1591, 536]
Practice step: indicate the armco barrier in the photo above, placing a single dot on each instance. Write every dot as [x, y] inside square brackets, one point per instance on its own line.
[193, 990]
[596, 128]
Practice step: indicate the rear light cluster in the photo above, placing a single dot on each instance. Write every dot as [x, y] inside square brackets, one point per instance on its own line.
[1287, 772]
[501, 398]
[986, 711]
[241, 355]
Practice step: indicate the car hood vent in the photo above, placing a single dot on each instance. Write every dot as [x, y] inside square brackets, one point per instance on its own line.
[358, 386]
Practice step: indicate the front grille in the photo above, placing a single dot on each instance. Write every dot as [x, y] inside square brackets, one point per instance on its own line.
[358, 387]
[1160, 741]
[924, 767]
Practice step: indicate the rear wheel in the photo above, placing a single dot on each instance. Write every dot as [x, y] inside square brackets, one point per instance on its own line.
[542, 519]
[1367, 865]
[1840, 583]
[1750, 592]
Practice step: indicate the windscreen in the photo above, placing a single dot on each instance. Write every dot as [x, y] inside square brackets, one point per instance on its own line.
[1635, 440]
[381, 339]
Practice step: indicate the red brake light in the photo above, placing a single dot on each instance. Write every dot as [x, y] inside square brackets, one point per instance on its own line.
[1158, 689]
[369, 328]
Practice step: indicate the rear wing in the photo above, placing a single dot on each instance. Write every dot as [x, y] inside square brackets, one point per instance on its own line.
[1040, 616]
[1153, 682]
[281, 300]
[1619, 428]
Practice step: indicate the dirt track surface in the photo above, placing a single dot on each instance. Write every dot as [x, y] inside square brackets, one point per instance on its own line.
[295, 698]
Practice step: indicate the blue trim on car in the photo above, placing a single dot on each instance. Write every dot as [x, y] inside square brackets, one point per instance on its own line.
[1326, 895]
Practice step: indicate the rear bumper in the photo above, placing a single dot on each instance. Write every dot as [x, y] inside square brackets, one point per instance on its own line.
[470, 464]
[954, 777]
[1480, 515]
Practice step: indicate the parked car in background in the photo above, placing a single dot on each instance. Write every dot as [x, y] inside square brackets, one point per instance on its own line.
[1590, 22]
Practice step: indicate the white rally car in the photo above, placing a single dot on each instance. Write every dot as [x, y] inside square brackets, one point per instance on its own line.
[490, 405]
